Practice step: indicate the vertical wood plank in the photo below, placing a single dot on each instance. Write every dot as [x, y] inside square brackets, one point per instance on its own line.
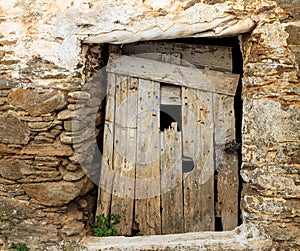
[124, 152]
[106, 174]
[147, 204]
[226, 161]
[197, 137]
[171, 181]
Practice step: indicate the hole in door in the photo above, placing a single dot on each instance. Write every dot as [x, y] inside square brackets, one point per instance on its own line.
[168, 115]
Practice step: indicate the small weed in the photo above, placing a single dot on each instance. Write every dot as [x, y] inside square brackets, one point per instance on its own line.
[19, 247]
[106, 226]
[139, 234]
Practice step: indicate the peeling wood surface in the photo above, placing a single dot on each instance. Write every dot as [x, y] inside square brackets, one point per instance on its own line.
[124, 152]
[147, 204]
[206, 80]
[226, 161]
[197, 138]
[192, 55]
[171, 182]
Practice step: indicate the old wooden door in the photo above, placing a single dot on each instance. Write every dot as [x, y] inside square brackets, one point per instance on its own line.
[142, 176]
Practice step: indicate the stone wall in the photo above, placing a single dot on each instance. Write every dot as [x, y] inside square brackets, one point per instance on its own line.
[47, 58]
[271, 125]
[46, 196]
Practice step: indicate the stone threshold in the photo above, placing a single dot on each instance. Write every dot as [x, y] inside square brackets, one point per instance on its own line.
[244, 237]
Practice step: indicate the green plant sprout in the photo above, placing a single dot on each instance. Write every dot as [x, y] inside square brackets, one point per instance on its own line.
[139, 234]
[106, 226]
[19, 247]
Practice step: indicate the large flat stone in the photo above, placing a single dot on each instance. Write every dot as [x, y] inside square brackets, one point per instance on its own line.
[55, 149]
[4, 149]
[10, 169]
[271, 122]
[245, 237]
[38, 101]
[13, 210]
[55, 193]
[43, 126]
[7, 84]
[12, 130]
[11, 191]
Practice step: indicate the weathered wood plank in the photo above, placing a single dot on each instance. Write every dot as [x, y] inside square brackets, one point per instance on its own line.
[197, 137]
[206, 80]
[226, 162]
[124, 152]
[147, 204]
[106, 174]
[171, 181]
[170, 95]
[200, 56]
[171, 160]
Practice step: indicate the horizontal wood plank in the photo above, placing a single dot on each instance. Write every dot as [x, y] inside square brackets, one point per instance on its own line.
[205, 80]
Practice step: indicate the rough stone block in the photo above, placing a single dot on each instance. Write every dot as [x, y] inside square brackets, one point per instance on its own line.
[55, 149]
[283, 231]
[74, 125]
[37, 234]
[11, 191]
[294, 34]
[73, 228]
[55, 193]
[7, 84]
[79, 95]
[296, 51]
[4, 149]
[12, 130]
[260, 126]
[67, 114]
[42, 126]
[73, 175]
[10, 169]
[38, 101]
[13, 210]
